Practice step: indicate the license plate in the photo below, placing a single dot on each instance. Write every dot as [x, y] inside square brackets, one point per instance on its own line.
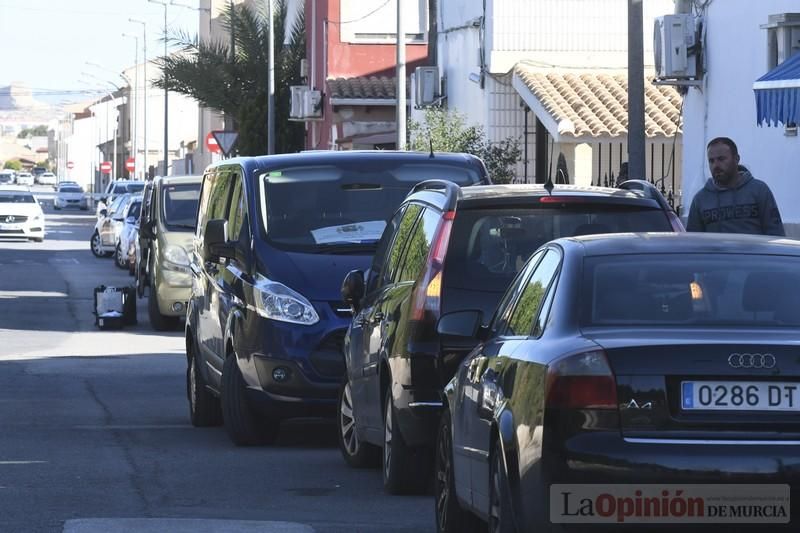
[740, 396]
[10, 226]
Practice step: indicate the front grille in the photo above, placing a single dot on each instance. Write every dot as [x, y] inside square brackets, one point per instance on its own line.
[17, 218]
[328, 359]
[11, 232]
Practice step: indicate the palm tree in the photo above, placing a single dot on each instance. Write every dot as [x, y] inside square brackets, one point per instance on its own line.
[237, 86]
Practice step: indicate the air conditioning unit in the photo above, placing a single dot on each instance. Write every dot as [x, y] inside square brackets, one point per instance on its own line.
[297, 95]
[312, 104]
[675, 41]
[427, 86]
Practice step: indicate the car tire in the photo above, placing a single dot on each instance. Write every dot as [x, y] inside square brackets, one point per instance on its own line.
[157, 320]
[500, 515]
[356, 453]
[121, 262]
[405, 469]
[243, 426]
[204, 408]
[450, 516]
[96, 247]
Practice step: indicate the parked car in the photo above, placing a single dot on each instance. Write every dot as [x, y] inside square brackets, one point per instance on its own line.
[448, 249]
[24, 178]
[71, 195]
[275, 236]
[166, 231]
[116, 188]
[21, 215]
[103, 241]
[128, 232]
[47, 178]
[636, 358]
[7, 177]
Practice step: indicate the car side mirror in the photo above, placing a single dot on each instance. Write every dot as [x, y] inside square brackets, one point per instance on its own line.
[461, 328]
[131, 220]
[146, 230]
[215, 241]
[104, 212]
[353, 289]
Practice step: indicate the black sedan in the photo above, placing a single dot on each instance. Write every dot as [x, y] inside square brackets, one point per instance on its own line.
[647, 378]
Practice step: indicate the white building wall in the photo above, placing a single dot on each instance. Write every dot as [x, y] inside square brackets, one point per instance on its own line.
[82, 151]
[736, 50]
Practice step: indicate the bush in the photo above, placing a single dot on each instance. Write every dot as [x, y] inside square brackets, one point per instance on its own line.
[447, 131]
[13, 165]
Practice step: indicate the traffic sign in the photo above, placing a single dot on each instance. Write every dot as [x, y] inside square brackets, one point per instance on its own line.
[226, 140]
[105, 167]
[130, 164]
[70, 165]
[211, 144]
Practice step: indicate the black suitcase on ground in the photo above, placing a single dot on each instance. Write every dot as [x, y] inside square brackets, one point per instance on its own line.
[114, 307]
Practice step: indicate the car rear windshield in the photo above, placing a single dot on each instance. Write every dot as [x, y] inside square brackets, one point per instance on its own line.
[135, 187]
[17, 199]
[320, 208]
[742, 290]
[71, 189]
[179, 206]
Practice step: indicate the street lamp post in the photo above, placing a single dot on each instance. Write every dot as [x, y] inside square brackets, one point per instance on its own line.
[119, 89]
[134, 144]
[166, 92]
[110, 97]
[144, 108]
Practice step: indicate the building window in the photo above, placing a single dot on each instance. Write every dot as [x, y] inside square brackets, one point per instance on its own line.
[783, 38]
[375, 21]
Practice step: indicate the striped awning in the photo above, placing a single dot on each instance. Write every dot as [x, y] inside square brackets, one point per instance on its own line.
[778, 94]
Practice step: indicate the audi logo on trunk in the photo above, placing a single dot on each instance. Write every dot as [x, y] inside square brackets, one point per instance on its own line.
[751, 360]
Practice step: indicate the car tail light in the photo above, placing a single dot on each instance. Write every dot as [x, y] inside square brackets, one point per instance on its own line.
[561, 200]
[427, 299]
[582, 381]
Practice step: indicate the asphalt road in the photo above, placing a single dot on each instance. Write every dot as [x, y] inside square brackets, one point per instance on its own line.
[94, 427]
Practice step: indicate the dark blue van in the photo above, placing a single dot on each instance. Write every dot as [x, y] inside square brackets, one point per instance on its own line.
[275, 236]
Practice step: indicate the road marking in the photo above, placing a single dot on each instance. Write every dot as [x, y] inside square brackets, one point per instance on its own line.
[21, 462]
[134, 427]
[69, 260]
[180, 525]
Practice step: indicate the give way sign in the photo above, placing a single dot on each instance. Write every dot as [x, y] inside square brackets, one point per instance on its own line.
[226, 140]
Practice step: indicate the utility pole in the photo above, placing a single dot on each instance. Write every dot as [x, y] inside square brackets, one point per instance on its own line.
[271, 83]
[401, 78]
[636, 134]
[135, 143]
[144, 107]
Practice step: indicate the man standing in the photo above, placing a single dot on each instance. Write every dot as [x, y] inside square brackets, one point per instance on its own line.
[733, 201]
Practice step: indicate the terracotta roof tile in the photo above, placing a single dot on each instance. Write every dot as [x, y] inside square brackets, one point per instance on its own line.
[596, 104]
[372, 87]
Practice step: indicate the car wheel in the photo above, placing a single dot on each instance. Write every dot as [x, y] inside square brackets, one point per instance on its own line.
[157, 320]
[119, 260]
[355, 453]
[97, 248]
[404, 468]
[450, 516]
[244, 427]
[204, 407]
[500, 519]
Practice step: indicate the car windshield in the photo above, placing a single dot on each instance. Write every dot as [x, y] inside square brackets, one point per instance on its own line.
[17, 199]
[71, 189]
[135, 209]
[135, 187]
[313, 209]
[741, 290]
[179, 205]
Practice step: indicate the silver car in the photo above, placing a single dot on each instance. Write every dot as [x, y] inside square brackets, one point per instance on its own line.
[71, 195]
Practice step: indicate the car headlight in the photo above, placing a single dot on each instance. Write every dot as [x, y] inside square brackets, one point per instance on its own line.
[276, 301]
[176, 259]
[37, 218]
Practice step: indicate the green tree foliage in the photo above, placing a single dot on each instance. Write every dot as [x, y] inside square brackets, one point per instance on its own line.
[13, 165]
[204, 71]
[448, 131]
[38, 131]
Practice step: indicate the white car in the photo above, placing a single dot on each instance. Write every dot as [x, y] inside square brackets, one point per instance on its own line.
[128, 233]
[21, 215]
[24, 178]
[47, 178]
[6, 177]
[71, 195]
[115, 189]
[108, 227]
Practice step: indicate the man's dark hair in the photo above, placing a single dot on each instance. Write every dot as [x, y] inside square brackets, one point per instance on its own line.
[726, 141]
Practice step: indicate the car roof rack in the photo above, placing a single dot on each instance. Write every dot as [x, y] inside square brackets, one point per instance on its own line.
[650, 191]
[451, 191]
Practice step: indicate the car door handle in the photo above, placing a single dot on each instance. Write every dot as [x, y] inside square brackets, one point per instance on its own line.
[378, 317]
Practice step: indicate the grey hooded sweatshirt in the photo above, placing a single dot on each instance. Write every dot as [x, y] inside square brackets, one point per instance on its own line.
[747, 208]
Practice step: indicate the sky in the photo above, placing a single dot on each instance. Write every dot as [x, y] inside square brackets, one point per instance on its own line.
[46, 43]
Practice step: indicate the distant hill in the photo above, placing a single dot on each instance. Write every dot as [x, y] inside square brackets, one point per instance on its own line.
[17, 97]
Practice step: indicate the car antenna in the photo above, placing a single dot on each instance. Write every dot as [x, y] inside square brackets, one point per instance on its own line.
[548, 185]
